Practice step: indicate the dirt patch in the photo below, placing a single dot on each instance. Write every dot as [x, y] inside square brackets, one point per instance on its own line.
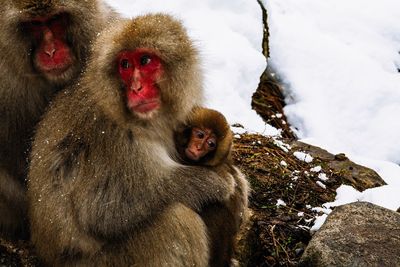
[16, 254]
[285, 189]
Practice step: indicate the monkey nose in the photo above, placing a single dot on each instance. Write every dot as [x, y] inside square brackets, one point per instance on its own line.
[48, 41]
[50, 51]
[136, 86]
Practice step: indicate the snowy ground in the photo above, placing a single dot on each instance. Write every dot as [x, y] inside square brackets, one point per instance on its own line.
[339, 59]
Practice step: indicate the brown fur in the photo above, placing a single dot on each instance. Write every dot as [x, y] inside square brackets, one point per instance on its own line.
[223, 219]
[25, 93]
[103, 188]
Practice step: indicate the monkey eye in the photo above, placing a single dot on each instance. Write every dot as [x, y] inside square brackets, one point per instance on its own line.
[54, 18]
[36, 23]
[125, 64]
[144, 60]
[200, 134]
[211, 143]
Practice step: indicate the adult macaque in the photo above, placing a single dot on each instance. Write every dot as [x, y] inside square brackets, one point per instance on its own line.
[103, 188]
[43, 47]
[206, 140]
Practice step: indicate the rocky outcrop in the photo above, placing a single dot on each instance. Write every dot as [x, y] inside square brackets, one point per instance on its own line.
[357, 176]
[285, 189]
[356, 234]
[268, 100]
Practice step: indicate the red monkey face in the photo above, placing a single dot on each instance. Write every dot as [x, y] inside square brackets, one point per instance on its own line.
[201, 142]
[52, 55]
[140, 71]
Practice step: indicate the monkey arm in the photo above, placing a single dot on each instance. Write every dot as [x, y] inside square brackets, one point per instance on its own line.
[202, 185]
[111, 208]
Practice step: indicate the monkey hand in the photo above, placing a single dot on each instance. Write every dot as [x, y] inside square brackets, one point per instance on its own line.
[204, 186]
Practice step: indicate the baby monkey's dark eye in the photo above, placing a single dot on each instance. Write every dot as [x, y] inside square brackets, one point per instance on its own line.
[200, 134]
[144, 60]
[125, 64]
[211, 143]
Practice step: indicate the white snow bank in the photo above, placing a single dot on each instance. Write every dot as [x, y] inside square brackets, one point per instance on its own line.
[340, 61]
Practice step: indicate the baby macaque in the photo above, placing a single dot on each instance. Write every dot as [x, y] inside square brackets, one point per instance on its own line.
[206, 140]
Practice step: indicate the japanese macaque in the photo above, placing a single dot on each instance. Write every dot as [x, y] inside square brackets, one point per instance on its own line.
[206, 140]
[44, 45]
[103, 187]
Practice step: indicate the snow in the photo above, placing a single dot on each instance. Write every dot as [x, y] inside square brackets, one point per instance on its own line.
[282, 145]
[385, 196]
[323, 177]
[319, 221]
[337, 58]
[342, 73]
[303, 156]
[321, 184]
[339, 61]
[316, 169]
[280, 202]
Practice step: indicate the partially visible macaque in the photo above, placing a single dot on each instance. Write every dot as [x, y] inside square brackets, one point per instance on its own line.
[43, 47]
[206, 140]
[104, 189]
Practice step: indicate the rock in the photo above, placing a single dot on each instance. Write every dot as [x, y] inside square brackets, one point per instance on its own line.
[357, 234]
[341, 157]
[358, 176]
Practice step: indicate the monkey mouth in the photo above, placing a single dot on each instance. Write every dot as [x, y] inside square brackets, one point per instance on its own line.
[54, 70]
[57, 70]
[145, 106]
[191, 155]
